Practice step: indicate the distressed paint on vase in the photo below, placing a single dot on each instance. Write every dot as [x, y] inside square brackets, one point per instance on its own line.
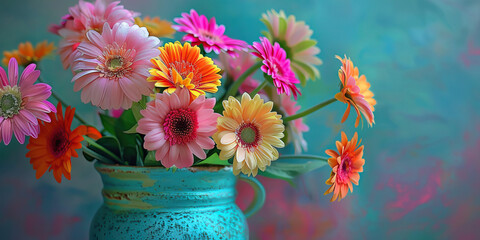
[154, 203]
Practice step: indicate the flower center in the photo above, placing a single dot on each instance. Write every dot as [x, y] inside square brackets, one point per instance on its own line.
[10, 101]
[116, 61]
[344, 169]
[180, 126]
[184, 68]
[59, 143]
[209, 35]
[248, 135]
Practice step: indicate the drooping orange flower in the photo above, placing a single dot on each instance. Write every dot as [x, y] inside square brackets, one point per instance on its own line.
[56, 144]
[355, 91]
[156, 27]
[26, 53]
[346, 164]
[184, 67]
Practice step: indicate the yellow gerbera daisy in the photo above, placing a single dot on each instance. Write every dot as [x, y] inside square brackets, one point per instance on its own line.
[184, 67]
[249, 131]
[156, 27]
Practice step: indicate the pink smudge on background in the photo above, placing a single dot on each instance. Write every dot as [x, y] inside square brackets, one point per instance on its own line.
[471, 52]
[288, 215]
[409, 196]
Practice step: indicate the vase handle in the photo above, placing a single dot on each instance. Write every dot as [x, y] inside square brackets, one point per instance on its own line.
[259, 198]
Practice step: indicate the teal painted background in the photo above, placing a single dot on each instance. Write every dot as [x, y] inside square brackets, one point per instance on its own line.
[422, 156]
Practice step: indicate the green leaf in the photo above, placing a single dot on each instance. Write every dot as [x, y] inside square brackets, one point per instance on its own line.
[304, 45]
[132, 130]
[108, 147]
[138, 106]
[139, 156]
[269, 26]
[127, 141]
[214, 160]
[90, 154]
[108, 123]
[287, 167]
[150, 160]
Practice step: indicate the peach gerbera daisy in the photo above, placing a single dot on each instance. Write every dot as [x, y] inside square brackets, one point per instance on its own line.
[26, 53]
[176, 127]
[346, 163]
[249, 131]
[355, 91]
[156, 27]
[56, 144]
[184, 67]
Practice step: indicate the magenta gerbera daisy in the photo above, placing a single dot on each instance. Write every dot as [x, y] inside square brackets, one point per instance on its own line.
[22, 103]
[176, 129]
[276, 65]
[113, 67]
[84, 17]
[200, 30]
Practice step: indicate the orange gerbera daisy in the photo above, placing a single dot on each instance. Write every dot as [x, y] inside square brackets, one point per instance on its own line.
[27, 54]
[355, 91]
[346, 164]
[184, 67]
[56, 144]
[156, 27]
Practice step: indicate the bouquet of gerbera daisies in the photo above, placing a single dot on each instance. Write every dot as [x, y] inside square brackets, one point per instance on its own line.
[181, 103]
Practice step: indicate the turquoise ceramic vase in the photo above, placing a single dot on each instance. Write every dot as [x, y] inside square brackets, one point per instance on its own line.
[153, 203]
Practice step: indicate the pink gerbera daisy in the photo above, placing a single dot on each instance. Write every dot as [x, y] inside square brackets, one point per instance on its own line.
[113, 67]
[277, 66]
[234, 67]
[200, 30]
[22, 103]
[84, 17]
[176, 128]
[295, 128]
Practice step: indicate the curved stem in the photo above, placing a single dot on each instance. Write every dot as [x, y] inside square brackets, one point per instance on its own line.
[234, 88]
[260, 87]
[65, 104]
[310, 110]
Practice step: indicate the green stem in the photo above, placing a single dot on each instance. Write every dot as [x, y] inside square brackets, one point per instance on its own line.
[260, 87]
[306, 157]
[234, 88]
[65, 104]
[310, 110]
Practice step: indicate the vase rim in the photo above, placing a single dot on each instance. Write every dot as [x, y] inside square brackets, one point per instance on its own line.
[208, 168]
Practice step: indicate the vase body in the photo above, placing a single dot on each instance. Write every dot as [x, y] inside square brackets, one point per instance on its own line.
[153, 203]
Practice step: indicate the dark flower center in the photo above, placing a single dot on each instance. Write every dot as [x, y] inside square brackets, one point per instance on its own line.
[59, 143]
[180, 126]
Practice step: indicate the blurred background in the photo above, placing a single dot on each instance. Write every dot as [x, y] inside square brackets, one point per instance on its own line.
[421, 178]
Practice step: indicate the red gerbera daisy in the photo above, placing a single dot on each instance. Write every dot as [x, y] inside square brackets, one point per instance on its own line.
[56, 144]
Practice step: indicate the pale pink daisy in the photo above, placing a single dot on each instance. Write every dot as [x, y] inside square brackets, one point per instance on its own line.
[176, 129]
[84, 17]
[295, 128]
[234, 67]
[201, 31]
[113, 67]
[277, 66]
[22, 103]
[294, 37]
